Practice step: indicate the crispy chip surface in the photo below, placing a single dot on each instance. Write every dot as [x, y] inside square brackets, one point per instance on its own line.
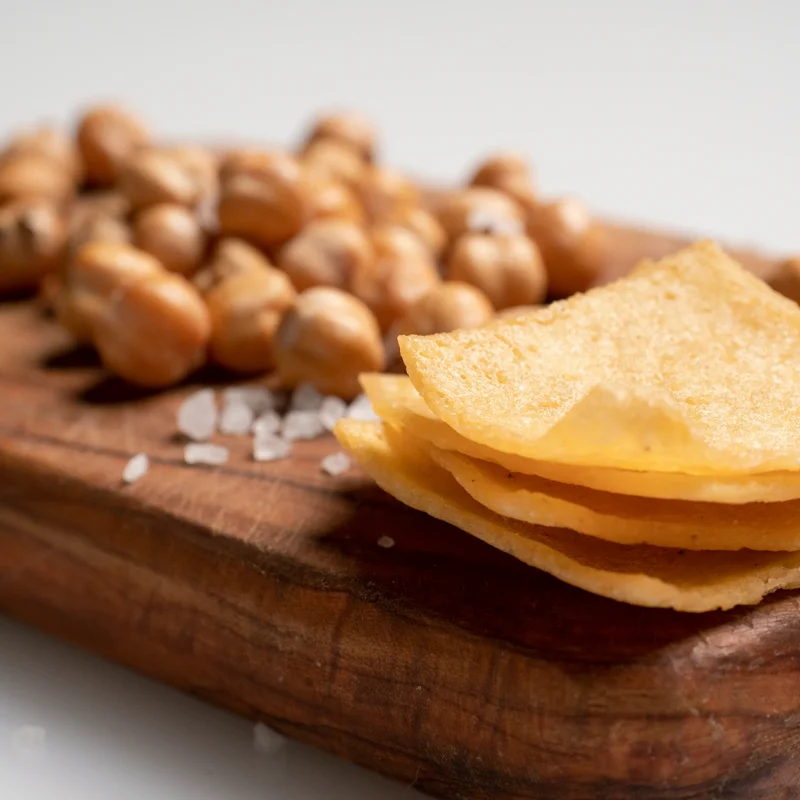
[395, 400]
[626, 520]
[638, 574]
[688, 365]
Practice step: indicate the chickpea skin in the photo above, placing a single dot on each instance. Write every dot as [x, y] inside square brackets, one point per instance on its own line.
[172, 234]
[401, 272]
[508, 172]
[327, 338]
[422, 223]
[480, 209]
[508, 269]
[151, 176]
[329, 159]
[449, 306]
[570, 242]
[245, 312]
[231, 257]
[326, 253]
[385, 192]
[107, 136]
[333, 200]
[349, 129]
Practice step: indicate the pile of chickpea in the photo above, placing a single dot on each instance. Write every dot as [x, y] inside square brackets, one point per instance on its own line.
[303, 264]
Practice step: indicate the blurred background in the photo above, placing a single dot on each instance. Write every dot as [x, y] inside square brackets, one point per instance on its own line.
[681, 114]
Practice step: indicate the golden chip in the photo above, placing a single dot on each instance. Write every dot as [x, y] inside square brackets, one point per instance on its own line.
[639, 574]
[688, 365]
[395, 400]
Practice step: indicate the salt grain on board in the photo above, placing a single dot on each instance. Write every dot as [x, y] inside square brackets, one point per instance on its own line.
[335, 463]
[268, 422]
[211, 454]
[301, 425]
[266, 741]
[306, 398]
[257, 398]
[136, 468]
[386, 542]
[268, 447]
[236, 419]
[331, 411]
[361, 408]
[197, 416]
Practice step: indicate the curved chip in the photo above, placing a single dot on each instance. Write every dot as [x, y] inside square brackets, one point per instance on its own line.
[625, 520]
[638, 574]
[395, 400]
[688, 365]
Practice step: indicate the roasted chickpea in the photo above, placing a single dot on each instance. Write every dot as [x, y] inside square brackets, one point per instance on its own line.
[401, 272]
[153, 332]
[264, 197]
[173, 235]
[421, 222]
[97, 228]
[508, 269]
[509, 172]
[29, 175]
[50, 144]
[107, 136]
[480, 210]
[448, 306]
[327, 338]
[349, 129]
[151, 176]
[99, 204]
[326, 253]
[245, 312]
[333, 200]
[386, 192]
[571, 244]
[330, 160]
[786, 279]
[33, 237]
[201, 163]
[515, 311]
[231, 257]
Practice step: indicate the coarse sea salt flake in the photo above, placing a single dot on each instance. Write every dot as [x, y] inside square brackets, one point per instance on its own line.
[301, 425]
[236, 419]
[268, 447]
[266, 741]
[136, 468]
[386, 542]
[306, 398]
[361, 408]
[257, 398]
[211, 454]
[198, 415]
[335, 463]
[331, 411]
[268, 422]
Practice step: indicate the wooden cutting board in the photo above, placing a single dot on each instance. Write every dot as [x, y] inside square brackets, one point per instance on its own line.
[440, 661]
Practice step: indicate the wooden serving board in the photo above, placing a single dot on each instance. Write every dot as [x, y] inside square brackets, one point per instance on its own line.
[440, 662]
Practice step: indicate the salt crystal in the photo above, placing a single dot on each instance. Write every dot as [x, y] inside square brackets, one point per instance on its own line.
[331, 411]
[361, 408]
[266, 741]
[257, 398]
[29, 742]
[335, 463]
[301, 425]
[211, 454]
[268, 422]
[386, 541]
[136, 468]
[306, 398]
[236, 418]
[197, 416]
[481, 220]
[268, 447]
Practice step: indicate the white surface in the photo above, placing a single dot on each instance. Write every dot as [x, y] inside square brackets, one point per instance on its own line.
[684, 113]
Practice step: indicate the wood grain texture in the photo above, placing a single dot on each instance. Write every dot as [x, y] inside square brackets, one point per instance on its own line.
[440, 662]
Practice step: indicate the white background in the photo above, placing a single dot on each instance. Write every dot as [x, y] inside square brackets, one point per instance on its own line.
[681, 113]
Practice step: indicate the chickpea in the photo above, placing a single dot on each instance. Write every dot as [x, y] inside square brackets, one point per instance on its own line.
[448, 306]
[29, 175]
[329, 159]
[515, 311]
[107, 136]
[264, 197]
[333, 200]
[50, 144]
[480, 210]
[509, 173]
[786, 279]
[508, 269]
[422, 223]
[328, 338]
[570, 242]
[385, 192]
[401, 272]
[33, 236]
[153, 332]
[245, 312]
[173, 235]
[102, 204]
[151, 176]
[326, 253]
[347, 128]
[201, 163]
[231, 257]
[97, 228]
